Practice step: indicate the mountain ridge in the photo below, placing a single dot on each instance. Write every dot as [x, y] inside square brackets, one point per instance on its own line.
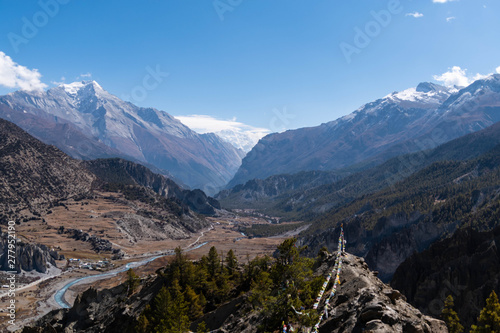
[397, 124]
[124, 130]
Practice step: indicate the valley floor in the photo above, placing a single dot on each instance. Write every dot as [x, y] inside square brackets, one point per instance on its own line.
[37, 298]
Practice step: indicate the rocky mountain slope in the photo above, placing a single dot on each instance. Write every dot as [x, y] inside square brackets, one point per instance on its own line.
[119, 171]
[387, 226]
[466, 265]
[362, 303]
[33, 174]
[307, 195]
[263, 193]
[413, 120]
[114, 128]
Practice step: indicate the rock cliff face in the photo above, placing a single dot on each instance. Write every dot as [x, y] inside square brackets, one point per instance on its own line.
[467, 266]
[362, 304]
[29, 257]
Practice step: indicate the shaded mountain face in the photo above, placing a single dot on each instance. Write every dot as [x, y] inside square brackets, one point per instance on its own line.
[33, 174]
[119, 171]
[412, 120]
[263, 193]
[87, 118]
[466, 265]
[389, 225]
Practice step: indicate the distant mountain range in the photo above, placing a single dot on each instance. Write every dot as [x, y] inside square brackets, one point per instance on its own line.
[87, 122]
[412, 120]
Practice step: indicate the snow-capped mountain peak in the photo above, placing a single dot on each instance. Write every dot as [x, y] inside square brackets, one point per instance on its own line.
[426, 93]
[75, 87]
[425, 96]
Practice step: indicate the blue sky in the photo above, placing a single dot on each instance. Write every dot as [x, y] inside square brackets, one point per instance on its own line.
[273, 64]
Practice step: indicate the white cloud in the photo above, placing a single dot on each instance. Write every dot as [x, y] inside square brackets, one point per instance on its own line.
[479, 77]
[442, 1]
[451, 18]
[457, 76]
[13, 75]
[239, 134]
[415, 15]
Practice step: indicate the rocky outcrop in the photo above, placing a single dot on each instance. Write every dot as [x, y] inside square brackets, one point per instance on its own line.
[99, 245]
[363, 303]
[467, 266]
[106, 311]
[28, 257]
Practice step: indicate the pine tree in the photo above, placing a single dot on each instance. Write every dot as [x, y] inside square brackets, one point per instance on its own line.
[142, 324]
[450, 317]
[213, 262]
[231, 262]
[194, 303]
[133, 281]
[178, 310]
[489, 319]
[160, 311]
